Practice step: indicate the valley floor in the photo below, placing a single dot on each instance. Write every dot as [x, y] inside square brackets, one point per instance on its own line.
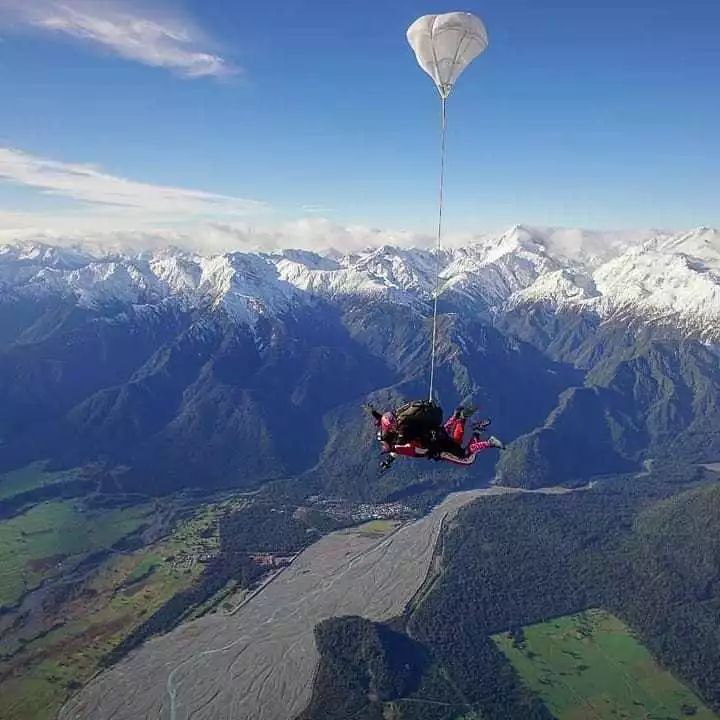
[259, 662]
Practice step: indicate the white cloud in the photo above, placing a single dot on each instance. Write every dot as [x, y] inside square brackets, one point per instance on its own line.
[318, 234]
[165, 42]
[118, 233]
[313, 209]
[91, 185]
[114, 212]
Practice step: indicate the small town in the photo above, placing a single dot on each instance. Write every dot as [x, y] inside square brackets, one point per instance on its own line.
[346, 511]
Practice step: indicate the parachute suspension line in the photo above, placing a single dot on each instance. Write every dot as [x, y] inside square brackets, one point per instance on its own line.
[438, 248]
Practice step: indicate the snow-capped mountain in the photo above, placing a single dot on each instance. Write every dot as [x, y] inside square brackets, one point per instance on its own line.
[652, 276]
[238, 368]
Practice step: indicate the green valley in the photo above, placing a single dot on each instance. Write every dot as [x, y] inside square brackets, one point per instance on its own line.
[53, 537]
[590, 665]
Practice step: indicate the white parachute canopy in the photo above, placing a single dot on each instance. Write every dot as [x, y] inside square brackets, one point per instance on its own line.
[446, 44]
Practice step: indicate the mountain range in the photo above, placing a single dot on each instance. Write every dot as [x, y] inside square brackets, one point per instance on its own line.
[593, 352]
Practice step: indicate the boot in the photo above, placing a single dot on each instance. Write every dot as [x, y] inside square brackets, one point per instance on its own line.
[386, 464]
[464, 412]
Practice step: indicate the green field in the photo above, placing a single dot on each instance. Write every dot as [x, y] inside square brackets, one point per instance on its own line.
[125, 591]
[53, 537]
[29, 478]
[378, 527]
[37, 675]
[590, 667]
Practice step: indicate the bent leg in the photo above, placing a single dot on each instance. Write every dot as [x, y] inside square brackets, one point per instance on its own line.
[467, 456]
[457, 460]
[455, 428]
[477, 446]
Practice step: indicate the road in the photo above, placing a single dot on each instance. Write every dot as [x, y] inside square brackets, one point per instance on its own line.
[259, 663]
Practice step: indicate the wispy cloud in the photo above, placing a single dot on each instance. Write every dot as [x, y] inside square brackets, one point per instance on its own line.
[159, 41]
[319, 234]
[117, 234]
[88, 184]
[107, 211]
[313, 209]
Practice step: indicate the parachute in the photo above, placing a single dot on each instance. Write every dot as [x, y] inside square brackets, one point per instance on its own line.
[444, 46]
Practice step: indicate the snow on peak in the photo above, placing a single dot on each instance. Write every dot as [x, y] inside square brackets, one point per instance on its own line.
[246, 285]
[39, 254]
[655, 276]
[701, 245]
[659, 276]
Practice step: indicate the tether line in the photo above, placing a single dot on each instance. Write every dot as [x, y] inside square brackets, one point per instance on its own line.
[438, 249]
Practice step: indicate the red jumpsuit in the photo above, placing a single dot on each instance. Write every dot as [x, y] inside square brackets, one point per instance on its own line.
[450, 446]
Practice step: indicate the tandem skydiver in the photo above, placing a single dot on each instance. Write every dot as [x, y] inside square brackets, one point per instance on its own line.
[417, 430]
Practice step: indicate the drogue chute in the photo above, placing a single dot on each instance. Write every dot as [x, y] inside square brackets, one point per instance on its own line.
[446, 44]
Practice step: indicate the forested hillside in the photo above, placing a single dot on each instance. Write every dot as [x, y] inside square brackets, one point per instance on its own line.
[643, 548]
[175, 370]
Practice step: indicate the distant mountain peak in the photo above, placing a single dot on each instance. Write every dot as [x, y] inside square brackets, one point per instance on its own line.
[656, 276]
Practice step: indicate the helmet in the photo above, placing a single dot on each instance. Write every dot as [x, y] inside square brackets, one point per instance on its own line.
[388, 423]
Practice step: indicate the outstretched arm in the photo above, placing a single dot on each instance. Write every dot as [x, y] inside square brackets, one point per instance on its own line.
[376, 416]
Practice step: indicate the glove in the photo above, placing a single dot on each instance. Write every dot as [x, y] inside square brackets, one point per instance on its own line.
[386, 464]
[369, 408]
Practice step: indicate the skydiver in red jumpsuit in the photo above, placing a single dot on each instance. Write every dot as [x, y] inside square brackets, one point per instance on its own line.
[444, 442]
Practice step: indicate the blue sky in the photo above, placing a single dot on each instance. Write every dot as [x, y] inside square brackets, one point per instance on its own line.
[585, 113]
